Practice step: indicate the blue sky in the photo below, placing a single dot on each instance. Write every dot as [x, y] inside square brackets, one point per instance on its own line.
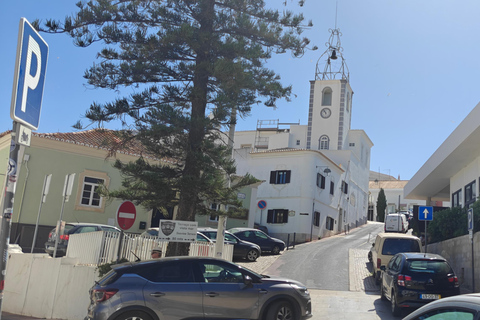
[413, 69]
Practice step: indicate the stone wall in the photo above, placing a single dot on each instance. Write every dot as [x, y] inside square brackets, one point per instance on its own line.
[458, 252]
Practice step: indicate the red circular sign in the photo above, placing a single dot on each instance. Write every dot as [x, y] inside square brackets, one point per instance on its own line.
[126, 215]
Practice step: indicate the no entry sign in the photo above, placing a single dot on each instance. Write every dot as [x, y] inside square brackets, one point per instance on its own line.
[126, 215]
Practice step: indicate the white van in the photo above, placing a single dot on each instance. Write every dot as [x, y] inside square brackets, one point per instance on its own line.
[396, 222]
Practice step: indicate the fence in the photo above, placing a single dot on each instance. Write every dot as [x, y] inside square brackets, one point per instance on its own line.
[95, 248]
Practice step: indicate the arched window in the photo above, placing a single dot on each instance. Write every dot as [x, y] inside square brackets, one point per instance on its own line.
[323, 143]
[327, 97]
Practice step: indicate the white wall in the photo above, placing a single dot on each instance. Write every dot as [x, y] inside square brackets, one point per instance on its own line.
[42, 287]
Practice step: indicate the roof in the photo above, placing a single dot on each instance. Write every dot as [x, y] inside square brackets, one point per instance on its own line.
[419, 255]
[460, 149]
[387, 184]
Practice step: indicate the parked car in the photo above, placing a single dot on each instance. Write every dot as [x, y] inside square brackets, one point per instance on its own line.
[465, 306]
[396, 222]
[256, 236]
[414, 279]
[195, 288]
[387, 245]
[153, 232]
[72, 228]
[241, 249]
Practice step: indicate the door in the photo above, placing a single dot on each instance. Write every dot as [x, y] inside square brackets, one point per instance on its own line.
[390, 274]
[172, 292]
[225, 294]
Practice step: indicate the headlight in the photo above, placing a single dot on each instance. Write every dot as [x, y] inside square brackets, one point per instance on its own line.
[301, 289]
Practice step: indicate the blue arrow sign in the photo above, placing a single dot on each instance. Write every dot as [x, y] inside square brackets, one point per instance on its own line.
[425, 213]
[29, 78]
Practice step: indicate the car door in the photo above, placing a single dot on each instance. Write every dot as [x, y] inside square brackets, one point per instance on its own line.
[260, 238]
[390, 274]
[172, 292]
[225, 294]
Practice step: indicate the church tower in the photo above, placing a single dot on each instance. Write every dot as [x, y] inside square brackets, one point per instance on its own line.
[330, 104]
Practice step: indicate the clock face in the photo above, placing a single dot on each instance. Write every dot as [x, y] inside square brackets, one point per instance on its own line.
[325, 113]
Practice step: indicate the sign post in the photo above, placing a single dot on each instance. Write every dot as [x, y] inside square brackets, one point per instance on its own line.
[27, 93]
[126, 215]
[425, 214]
[470, 232]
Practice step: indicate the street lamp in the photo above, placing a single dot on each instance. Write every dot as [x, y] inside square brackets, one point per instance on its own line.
[326, 170]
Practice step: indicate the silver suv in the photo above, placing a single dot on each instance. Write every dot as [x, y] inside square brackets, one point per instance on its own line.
[197, 288]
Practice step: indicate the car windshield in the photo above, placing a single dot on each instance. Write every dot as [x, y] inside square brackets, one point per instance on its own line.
[394, 246]
[428, 266]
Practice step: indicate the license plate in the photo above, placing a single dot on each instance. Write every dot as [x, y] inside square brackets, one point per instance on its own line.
[430, 296]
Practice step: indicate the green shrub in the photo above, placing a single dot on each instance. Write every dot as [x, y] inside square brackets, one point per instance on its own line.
[104, 268]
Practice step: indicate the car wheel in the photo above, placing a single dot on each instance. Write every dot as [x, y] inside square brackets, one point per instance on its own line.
[252, 255]
[134, 315]
[395, 307]
[276, 250]
[370, 256]
[281, 310]
[377, 278]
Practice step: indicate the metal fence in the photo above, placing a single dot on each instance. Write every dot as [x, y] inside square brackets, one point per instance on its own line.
[96, 248]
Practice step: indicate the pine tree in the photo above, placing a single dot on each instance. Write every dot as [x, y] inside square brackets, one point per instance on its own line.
[381, 205]
[194, 66]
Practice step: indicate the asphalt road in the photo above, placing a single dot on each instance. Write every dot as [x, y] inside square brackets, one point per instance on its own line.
[324, 264]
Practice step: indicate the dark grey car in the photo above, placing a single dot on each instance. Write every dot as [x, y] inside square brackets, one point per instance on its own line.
[195, 288]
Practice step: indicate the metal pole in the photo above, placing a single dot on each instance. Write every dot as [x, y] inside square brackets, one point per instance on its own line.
[426, 238]
[6, 221]
[46, 182]
[473, 267]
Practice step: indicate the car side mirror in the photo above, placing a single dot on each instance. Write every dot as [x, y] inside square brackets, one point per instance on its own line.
[373, 244]
[383, 268]
[247, 280]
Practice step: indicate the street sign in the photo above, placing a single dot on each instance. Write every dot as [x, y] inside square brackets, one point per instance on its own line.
[126, 215]
[29, 77]
[470, 219]
[425, 213]
[177, 231]
[262, 204]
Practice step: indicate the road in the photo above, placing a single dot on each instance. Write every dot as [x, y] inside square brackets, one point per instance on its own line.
[324, 264]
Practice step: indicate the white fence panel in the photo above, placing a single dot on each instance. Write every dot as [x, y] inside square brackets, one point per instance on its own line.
[101, 247]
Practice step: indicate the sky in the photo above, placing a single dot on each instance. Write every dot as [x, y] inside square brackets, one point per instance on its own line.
[413, 69]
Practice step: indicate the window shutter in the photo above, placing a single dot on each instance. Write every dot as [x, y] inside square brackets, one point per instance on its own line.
[285, 214]
[322, 185]
[287, 180]
[270, 216]
[273, 174]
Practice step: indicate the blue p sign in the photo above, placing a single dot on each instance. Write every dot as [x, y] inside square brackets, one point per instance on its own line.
[30, 68]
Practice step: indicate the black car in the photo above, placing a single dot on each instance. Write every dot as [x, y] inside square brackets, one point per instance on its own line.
[414, 279]
[72, 228]
[241, 249]
[256, 236]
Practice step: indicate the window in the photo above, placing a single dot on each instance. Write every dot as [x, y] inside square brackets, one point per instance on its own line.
[332, 187]
[316, 218]
[277, 216]
[344, 187]
[320, 181]
[280, 177]
[351, 144]
[218, 272]
[323, 143]
[90, 196]
[298, 142]
[215, 207]
[327, 97]
[457, 199]
[470, 193]
[330, 223]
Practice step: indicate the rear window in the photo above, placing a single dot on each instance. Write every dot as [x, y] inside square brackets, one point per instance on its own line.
[429, 266]
[394, 246]
[67, 229]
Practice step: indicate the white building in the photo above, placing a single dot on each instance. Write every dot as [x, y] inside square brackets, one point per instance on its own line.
[452, 172]
[316, 175]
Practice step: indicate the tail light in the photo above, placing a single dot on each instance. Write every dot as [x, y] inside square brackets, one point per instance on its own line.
[64, 237]
[379, 263]
[454, 280]
[100, 295]
[401, 279]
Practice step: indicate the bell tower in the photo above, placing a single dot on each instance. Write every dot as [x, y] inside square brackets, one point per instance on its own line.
[330, 104]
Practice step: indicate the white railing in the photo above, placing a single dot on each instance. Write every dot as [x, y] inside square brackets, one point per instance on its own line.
[95, 248]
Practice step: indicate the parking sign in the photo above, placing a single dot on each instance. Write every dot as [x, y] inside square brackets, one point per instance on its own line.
[29, 77]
